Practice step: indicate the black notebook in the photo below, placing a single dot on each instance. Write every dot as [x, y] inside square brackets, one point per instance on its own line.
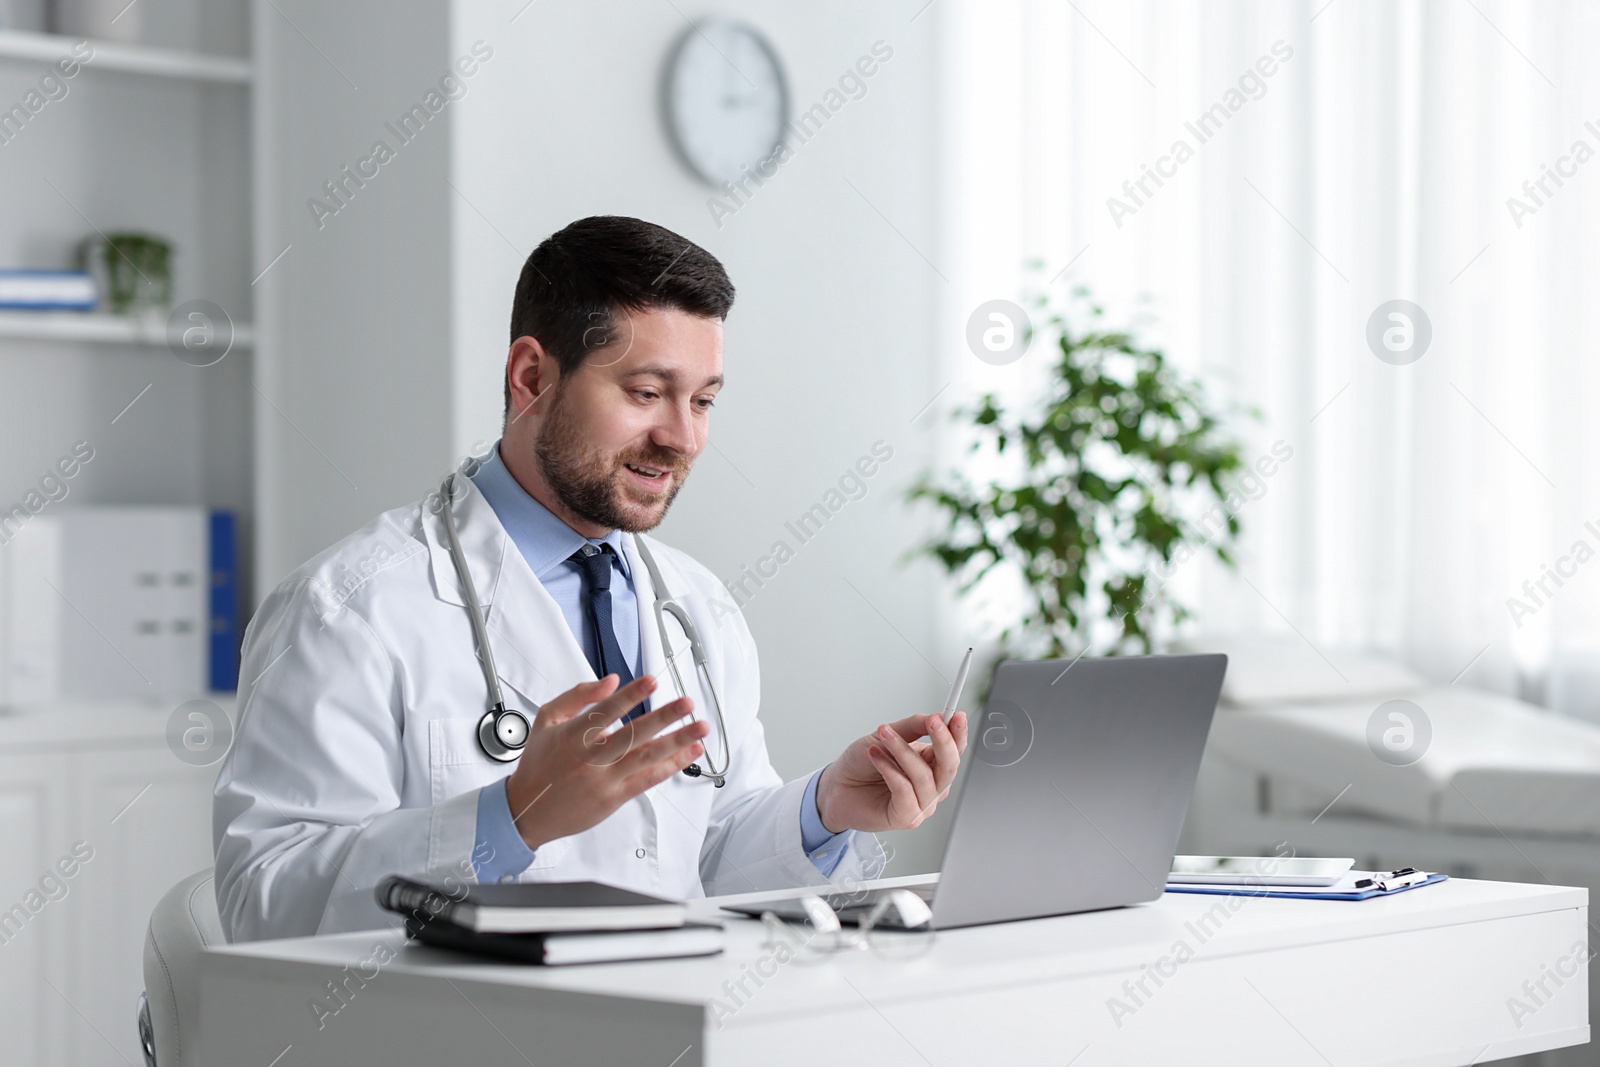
[573, 946]
[533, 907]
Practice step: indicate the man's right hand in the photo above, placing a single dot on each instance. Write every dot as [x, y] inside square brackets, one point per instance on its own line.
[575, 770]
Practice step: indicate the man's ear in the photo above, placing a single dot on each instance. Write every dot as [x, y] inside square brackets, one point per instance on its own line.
[531, 371]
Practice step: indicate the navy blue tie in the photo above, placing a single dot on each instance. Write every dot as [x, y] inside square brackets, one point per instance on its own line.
[595, 566]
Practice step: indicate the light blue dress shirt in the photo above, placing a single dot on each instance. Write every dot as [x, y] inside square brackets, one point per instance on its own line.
[546, 543]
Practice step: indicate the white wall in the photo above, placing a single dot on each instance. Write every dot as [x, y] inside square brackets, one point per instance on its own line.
[353, 414]
[831, 345]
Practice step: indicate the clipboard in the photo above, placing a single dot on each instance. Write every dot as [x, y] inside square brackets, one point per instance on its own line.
[1344, 889]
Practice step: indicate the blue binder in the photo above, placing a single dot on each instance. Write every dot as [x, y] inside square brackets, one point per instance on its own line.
[1300, 892]
[224, 637]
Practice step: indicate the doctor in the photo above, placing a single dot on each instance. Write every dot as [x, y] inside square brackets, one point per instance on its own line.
[359, 753]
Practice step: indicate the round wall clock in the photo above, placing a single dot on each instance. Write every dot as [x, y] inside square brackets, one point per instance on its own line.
[725, 98]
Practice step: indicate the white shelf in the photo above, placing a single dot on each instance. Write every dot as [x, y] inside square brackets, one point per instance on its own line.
[101, 329]
[130, 58]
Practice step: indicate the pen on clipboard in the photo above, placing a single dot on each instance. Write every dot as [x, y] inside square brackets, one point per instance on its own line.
[1400, 879]
[956, 687]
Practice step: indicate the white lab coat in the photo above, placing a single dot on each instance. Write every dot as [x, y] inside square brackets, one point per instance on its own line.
[356, 754]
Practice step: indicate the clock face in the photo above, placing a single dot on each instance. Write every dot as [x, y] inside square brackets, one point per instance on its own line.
[726, 100]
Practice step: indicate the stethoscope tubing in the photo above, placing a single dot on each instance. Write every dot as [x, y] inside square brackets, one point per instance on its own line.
[498, 735]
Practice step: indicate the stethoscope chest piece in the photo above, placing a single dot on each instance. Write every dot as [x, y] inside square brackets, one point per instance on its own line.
[694, 771]
[503, 733]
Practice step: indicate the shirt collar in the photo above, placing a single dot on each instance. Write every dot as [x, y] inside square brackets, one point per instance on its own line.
[544, 540]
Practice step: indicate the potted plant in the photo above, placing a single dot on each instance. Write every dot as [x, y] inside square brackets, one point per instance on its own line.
[134, 269]
[1100, 486]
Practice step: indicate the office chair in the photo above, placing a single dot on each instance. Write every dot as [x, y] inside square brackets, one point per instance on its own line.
[183, 923]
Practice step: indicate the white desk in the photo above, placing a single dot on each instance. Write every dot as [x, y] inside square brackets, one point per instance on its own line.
[1422, 978]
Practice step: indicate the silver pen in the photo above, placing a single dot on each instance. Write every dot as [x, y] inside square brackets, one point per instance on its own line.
[956, 687]
[1398, 880]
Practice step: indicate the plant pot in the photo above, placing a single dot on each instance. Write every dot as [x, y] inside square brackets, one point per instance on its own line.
[104, 20]
[133, 271]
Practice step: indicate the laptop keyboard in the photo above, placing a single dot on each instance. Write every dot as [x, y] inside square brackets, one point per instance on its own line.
[851, 908]
[853, 902]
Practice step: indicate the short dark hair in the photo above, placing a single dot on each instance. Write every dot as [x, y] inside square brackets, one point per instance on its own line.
[577, 281]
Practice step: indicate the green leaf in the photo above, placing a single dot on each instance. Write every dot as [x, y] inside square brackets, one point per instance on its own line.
[1111, 469]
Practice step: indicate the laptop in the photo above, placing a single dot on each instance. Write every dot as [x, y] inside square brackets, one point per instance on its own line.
[1079, 778]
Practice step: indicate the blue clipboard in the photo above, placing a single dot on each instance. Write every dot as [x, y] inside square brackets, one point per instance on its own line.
[1306, 893]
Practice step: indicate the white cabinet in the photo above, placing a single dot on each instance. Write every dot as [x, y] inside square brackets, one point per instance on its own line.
[33, 822]
[98, 818]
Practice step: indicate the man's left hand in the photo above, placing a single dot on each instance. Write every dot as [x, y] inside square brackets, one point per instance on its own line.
[891, 779]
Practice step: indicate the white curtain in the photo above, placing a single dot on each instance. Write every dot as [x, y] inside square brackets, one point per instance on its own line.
[1374, 162]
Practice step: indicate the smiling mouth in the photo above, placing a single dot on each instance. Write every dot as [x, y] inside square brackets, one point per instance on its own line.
[652, 478]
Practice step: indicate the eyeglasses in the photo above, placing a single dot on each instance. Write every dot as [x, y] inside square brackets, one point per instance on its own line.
[828, 935]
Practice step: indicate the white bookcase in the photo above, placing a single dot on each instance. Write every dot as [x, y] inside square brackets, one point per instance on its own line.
[156, 138]
[153, 138]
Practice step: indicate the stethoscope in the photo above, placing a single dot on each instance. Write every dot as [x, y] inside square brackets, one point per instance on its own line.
[503, 731]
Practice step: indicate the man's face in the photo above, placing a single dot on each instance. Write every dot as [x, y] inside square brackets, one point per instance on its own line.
[623, 430]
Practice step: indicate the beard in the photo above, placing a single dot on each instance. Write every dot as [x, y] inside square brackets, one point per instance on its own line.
[596, 486]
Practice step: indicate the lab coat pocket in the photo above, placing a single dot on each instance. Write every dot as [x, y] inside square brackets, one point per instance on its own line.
[457, 764]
